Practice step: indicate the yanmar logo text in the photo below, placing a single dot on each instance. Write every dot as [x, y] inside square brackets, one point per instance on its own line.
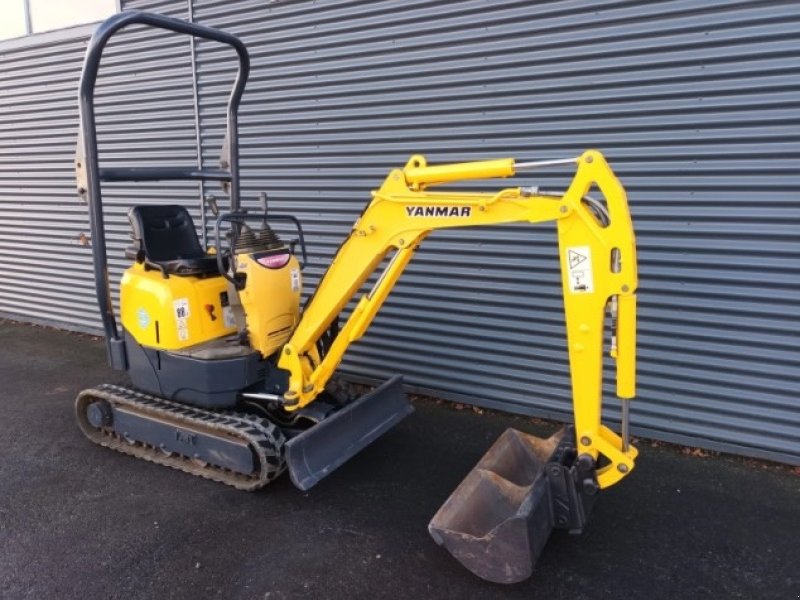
[438, 211]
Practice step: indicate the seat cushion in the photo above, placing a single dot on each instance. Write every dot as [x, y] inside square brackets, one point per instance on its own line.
[165, 233]
[203, 265]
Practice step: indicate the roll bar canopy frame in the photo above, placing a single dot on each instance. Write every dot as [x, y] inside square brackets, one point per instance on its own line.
[90, 175]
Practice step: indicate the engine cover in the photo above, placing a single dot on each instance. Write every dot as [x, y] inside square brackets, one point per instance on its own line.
[270, 297]
[176, 312]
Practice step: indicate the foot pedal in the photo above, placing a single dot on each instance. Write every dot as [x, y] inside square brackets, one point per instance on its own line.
[320, 450]
[499, 518]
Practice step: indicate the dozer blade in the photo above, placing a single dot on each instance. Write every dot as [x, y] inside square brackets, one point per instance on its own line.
[499, 518]
[317, 452]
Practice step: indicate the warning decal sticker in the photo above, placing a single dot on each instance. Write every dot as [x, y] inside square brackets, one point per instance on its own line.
[296, 281]
[227, 317]
[579, 269]
[181, 308]
[143, 317]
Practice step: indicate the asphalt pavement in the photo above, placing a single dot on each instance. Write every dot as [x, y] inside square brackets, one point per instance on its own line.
[79, 521]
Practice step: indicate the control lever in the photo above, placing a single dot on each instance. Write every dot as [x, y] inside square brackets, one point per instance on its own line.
[262, 202]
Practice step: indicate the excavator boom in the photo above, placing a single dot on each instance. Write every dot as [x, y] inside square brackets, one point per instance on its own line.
[598, 267]
[500, 517]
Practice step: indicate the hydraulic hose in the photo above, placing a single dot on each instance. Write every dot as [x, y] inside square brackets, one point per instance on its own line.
[598, 208]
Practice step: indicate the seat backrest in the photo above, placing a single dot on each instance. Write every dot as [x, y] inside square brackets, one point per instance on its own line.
[164, 232]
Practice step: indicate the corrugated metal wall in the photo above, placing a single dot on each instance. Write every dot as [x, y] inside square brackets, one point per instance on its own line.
[695, 104]
[145, 109]
[39, 218]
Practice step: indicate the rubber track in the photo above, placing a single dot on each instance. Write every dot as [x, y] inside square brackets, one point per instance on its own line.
[263, 437]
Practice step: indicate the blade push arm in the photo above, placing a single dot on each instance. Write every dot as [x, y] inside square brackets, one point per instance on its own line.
[598, 265]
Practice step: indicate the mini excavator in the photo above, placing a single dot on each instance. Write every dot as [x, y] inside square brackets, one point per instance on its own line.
[231, 380]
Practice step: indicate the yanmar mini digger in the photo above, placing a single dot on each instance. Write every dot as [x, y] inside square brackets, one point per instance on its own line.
[231, 380]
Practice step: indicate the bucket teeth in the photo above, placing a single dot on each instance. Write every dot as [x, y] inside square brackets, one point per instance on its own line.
[499, 518]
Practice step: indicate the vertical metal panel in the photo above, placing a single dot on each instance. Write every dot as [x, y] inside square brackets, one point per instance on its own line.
[145, 108]
[694, 103]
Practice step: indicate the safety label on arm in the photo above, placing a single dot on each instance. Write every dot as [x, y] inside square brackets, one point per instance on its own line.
[579, 269]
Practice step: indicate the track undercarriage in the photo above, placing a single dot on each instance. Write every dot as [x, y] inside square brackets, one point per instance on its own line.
[235, 448]
[246, 449]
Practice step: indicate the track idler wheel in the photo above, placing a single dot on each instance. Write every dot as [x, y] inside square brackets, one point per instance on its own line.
[99, 414]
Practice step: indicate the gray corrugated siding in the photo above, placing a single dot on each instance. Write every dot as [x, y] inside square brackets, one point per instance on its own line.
[695, 104]
[145, 108]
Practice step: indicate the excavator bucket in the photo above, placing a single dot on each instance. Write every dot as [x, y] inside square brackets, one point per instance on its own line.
[320, 450]
[499, 518]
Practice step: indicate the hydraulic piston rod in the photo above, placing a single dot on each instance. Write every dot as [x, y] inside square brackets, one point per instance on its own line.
[418, 174]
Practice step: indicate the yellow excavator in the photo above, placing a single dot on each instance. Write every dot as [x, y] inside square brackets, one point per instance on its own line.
[233, 381]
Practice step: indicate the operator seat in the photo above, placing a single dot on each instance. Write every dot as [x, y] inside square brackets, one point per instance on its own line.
[164, 238]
